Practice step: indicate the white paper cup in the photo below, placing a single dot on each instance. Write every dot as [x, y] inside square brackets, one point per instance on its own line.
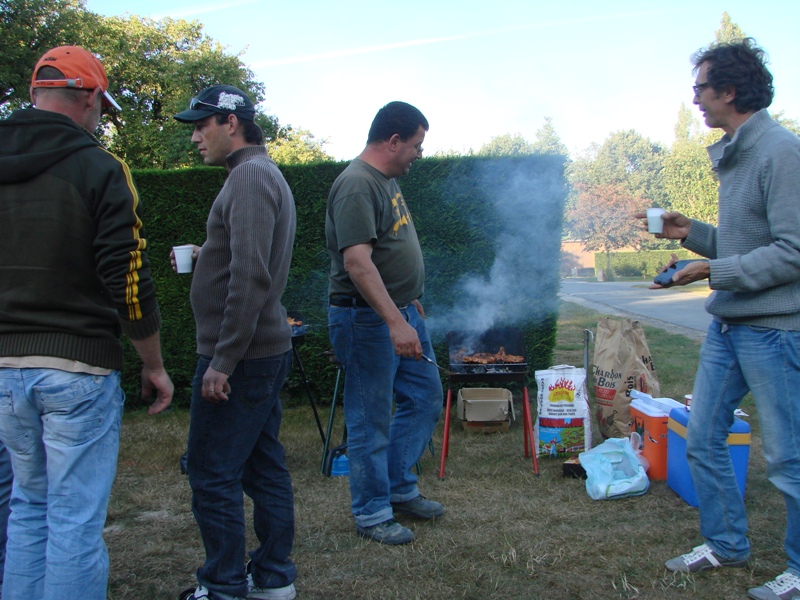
[655, 224]
[183, 258]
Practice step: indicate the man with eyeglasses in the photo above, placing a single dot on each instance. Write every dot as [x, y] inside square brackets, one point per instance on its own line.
[73, 273]
[244, 343]
[377, 328]
[753, 344]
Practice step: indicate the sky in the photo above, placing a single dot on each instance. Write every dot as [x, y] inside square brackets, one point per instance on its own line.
[482, 69]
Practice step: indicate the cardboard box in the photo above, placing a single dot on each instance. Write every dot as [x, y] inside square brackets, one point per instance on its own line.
[649, 417]
[484, 404]
[679, 479]
[485, 426]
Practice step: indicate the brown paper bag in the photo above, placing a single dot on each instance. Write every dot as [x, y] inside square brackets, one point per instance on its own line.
[622, 362]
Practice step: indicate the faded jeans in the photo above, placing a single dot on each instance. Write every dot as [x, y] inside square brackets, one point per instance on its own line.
[383, 447]
[736, 359]
[234, 448]
[62, 432]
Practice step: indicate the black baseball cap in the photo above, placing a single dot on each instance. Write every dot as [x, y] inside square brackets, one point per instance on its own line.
[218, 99]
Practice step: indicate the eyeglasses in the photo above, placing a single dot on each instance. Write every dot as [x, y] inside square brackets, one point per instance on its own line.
[698, 89]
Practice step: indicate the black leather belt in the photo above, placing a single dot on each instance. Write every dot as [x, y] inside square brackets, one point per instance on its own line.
[348, 301]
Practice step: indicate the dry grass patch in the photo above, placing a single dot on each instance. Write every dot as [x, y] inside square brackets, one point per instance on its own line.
[507, 533]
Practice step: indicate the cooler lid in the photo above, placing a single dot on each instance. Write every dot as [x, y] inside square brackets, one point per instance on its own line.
[681, 415]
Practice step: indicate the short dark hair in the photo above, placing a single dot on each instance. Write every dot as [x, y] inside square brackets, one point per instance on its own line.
[48, 72]
[741, 65]
[396, 117]
[252, 132]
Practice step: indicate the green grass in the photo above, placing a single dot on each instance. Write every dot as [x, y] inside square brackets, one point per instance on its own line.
[507, 533]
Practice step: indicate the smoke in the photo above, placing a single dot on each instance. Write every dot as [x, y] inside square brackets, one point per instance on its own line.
[522, 283]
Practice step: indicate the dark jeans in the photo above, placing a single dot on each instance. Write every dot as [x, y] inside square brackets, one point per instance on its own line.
[234, 448]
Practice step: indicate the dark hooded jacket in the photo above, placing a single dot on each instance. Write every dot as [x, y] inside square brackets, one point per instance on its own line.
[73, 269]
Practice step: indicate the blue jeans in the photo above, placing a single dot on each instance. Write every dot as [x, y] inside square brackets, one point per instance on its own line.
[382, 448]
[62, 432]
[234, 448]
[736, 359]
[6, 479]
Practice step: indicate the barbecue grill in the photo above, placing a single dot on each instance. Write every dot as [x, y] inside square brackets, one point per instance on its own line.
[298, 335]
[462, 343]
[298, 331]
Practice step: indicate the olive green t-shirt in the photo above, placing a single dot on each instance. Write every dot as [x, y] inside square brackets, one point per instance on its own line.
[364, 207]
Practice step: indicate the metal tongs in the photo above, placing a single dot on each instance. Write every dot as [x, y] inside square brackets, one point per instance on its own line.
[433, 362]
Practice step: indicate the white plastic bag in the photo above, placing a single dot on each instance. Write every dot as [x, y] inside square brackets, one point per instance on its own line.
[637, 443]
[613, 471]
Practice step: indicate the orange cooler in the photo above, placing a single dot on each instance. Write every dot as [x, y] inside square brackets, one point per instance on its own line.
[649, 418]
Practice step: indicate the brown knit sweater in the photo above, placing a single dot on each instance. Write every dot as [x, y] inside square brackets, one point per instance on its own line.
[244, 263]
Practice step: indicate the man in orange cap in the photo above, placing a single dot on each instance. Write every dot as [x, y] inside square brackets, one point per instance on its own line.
[73, 275]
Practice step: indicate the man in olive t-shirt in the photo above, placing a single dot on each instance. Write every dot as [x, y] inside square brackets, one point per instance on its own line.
[377, 328]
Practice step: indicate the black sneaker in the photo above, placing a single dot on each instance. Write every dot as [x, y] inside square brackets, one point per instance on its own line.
[419, 507]
[388, 532]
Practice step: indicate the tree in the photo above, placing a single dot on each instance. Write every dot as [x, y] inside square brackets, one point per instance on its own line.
[28, 29]
[298, 147]
[602, 218]
[791, 124]
[628, 160]
[687, 126]
[154, 68]
[506, 145]
[728, 31]
[689, 181]
[548, 141]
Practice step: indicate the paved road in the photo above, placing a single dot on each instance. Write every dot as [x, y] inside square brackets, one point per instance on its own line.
[673, 309]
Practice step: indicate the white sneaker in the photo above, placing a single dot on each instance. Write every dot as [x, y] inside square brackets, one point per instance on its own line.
[198, 593]
[256, 593]
[282, 593]
[699, 559]
[785, 586]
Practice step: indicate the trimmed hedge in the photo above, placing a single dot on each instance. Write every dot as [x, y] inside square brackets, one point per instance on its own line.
[460, 208]
[645, 264]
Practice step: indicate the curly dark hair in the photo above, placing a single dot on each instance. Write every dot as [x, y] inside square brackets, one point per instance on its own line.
[396, 117]
[741, 65]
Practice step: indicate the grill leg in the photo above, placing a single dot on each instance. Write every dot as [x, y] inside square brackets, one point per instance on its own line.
[307, 387]
[527, 421]
[446, 436]
[327, 438]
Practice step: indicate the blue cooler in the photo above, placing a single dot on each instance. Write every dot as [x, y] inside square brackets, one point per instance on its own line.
[679, 479]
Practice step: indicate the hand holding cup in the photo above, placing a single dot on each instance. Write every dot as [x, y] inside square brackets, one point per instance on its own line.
[655, 224]
[182, 257]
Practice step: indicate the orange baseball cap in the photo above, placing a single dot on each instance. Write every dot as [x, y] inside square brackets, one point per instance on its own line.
[81, 69]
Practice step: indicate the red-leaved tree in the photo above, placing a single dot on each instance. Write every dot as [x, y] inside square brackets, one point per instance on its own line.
[602, 218]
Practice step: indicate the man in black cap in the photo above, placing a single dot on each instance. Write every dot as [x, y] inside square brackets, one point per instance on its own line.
[244, 343]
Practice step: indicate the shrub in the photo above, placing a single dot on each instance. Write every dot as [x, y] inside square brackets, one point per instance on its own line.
[464, 209]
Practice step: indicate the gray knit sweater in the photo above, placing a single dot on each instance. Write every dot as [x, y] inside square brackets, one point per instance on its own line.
[244, 263]
[755, 249]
